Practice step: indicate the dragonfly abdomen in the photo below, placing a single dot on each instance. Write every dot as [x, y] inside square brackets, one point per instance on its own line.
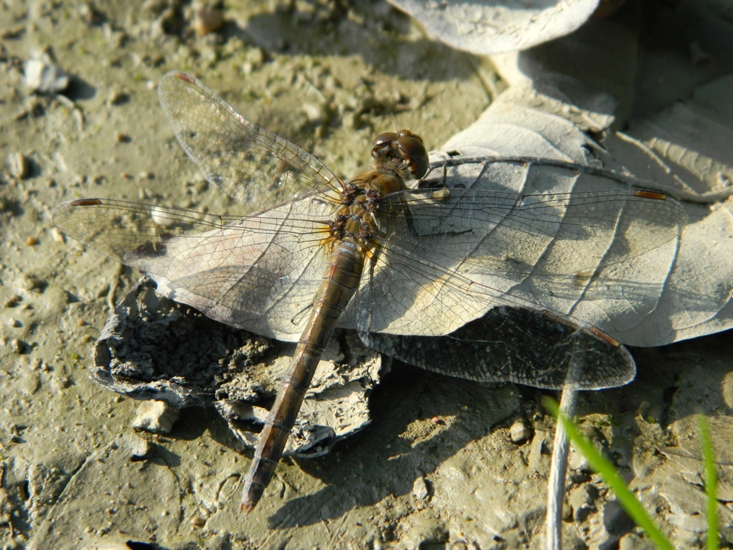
[339, 283]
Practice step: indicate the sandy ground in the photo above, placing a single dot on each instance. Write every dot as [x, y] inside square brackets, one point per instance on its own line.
[437, 467]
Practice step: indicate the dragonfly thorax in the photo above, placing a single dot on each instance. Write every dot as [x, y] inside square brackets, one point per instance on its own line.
[356, 220]
[355, 223]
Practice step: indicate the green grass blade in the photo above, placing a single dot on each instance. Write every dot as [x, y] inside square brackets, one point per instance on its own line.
[609, 474]
[711, 483]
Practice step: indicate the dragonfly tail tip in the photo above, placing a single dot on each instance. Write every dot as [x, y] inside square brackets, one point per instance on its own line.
[246, 507]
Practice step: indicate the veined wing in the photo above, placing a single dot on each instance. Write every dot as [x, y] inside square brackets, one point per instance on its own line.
[461, 252]
[247, 162]
[447, 262]
[259, 272]
[539, 234]
[517, 345]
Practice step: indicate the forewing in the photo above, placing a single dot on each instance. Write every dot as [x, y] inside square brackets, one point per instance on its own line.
[456, 253]
[247, 162]
[258, 272]
[543, 234]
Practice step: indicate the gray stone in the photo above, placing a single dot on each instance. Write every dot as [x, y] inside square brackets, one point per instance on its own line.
[582, 500]
[19, 166]
[155, 417]
[519, 432]
[45, 77]
[420, 489]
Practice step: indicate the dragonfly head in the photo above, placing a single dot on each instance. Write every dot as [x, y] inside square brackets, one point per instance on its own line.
[403, 148]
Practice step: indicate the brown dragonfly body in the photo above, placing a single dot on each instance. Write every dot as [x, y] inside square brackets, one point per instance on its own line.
[350, 239]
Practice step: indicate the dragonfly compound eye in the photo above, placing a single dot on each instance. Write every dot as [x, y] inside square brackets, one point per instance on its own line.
[412, 149]
[402, 146]
[381, 141]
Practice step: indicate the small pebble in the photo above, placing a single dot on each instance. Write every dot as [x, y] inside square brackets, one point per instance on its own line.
[32, 241]
[57, 235]
[420, 488]
[207, 19]
[44, 77]
[161, 217]
[139, 448]
[519, 432]
[17, 345]
[317, 113]
[155, 417]
[582, 500]
[19, 166]
[198, 522]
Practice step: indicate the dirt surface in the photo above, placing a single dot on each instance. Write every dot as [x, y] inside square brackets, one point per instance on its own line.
[444, 462]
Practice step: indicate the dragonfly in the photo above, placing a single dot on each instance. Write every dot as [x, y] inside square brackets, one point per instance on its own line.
[399, 257]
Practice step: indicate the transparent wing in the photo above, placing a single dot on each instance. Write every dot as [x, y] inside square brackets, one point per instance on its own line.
[539, 234]
[453, 255]
[517, 345]
[257, 272]
[248, 163]
[439, 264]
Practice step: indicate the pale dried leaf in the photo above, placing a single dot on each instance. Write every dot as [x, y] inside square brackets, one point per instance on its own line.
[485, 27]
[681, 293]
